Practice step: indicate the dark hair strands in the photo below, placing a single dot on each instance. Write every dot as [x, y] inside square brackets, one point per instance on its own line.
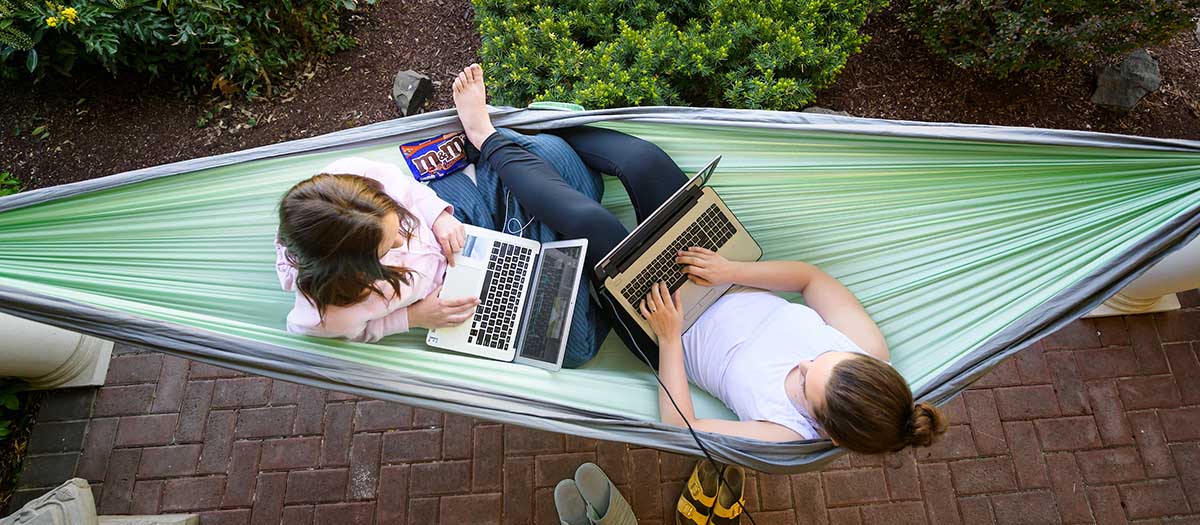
[869, 409]
[331, 225]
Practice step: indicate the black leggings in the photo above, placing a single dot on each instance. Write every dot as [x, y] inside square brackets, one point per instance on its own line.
[648, 174]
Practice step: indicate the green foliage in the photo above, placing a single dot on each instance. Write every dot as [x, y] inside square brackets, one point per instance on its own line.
[604, 53]
[1002, 37]
[11, 415]
[8, 184]
[230, 45]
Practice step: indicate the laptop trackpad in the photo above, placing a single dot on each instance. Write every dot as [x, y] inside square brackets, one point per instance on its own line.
[697, 298]
[463, 280]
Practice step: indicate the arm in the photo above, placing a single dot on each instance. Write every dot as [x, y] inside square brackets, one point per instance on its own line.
[377, 317]
[423, 202]
[835, 303]
[430, 312]
[667, 321]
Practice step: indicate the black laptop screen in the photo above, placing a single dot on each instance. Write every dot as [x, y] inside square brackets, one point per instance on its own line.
[546, 324]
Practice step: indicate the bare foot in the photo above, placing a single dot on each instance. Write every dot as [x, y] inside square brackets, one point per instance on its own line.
[470, 99]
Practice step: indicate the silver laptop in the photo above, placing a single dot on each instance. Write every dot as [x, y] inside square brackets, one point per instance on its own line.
[694, 216]
[527, 296]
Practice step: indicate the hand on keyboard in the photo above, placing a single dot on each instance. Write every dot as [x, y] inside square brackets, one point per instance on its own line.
[705, 267]
[663, 310]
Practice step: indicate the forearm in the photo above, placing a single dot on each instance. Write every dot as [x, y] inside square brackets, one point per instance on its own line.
[674, 377]
[779, 276]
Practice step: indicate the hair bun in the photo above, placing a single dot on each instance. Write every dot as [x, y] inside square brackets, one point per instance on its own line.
[926, 425]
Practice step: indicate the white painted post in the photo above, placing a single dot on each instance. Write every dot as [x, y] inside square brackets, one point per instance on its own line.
[47, 357]
[1155, 290]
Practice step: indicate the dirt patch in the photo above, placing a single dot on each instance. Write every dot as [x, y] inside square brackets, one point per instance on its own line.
[98, 125]
[896, 77]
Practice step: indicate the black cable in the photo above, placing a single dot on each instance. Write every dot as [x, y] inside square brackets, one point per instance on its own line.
[720, 475]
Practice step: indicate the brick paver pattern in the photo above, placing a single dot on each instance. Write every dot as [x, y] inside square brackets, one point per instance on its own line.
[1099, 422]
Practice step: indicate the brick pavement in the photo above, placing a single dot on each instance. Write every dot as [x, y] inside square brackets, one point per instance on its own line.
[1099, 422]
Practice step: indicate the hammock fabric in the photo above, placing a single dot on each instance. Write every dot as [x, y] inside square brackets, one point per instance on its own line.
[966, 243]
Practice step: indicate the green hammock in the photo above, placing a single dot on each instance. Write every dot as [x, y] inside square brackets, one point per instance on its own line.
[965, 243]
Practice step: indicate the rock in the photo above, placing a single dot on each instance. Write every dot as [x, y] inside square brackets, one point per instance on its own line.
[1119, 87]
[824, 111]
[69, 503]
[410, 90]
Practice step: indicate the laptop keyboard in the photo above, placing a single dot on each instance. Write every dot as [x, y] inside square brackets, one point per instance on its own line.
[495, 318]
[711, 230]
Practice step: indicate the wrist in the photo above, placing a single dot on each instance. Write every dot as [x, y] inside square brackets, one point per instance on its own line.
[737, 270]
[671, 342]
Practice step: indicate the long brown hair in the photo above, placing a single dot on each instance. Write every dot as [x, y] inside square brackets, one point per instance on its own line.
[332, 226]
[869, 409]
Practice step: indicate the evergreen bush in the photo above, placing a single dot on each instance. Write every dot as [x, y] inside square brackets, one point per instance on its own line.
[230, 45]
[771, 54]
[8, 184]
[1002, 37]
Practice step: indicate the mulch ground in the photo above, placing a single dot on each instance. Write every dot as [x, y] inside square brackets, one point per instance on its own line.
[99, 125]
[12, 447]
[896, 77]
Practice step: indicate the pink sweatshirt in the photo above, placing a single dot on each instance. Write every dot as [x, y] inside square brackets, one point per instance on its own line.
[376, 317]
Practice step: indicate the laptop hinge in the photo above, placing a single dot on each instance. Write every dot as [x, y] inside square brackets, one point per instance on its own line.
[629, 253]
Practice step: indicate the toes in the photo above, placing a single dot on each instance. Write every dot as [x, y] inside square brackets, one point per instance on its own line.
[478, 72]
[457, 85]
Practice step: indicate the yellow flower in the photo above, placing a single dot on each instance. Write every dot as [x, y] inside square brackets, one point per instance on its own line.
[70, 15]
[52, 21]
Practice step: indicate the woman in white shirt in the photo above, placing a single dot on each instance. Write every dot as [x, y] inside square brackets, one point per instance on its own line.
[789, 371]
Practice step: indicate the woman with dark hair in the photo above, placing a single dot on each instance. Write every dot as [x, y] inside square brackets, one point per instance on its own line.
[365, 247]
[787, 370]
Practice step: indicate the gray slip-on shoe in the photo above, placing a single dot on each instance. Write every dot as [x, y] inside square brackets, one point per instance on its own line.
[572, 510]
[605, 503]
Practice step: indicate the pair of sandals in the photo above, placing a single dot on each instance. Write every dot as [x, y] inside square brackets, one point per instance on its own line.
[591, 499]
[710, 499]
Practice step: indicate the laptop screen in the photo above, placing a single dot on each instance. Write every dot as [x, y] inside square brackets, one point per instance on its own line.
[553, 294]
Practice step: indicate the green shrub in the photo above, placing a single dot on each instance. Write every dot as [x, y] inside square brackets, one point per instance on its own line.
[10, 405]
[1002, 37]
[8, 184]
[604, 53]
[230, 45]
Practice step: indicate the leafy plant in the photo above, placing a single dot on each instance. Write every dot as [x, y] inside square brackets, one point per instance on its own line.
[228, 45]
[8, 184]
[770, 54]
[1003, 37]
[10, 405]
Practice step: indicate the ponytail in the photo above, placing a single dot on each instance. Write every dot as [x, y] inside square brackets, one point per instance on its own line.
[925, 425]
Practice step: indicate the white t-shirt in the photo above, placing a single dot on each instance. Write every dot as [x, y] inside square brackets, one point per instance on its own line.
[744, 346]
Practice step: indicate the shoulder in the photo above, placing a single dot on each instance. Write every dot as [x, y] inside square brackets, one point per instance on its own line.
[350, 166]
[395, 179]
